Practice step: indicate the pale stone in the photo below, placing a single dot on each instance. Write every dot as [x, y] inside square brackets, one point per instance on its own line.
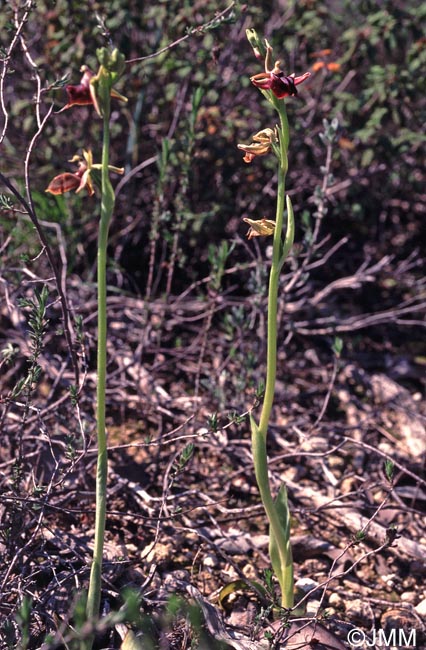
[421, 608]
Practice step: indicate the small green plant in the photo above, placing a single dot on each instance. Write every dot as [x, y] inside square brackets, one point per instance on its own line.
[337, 347]
[275, 86]
[25, 387]
[37, 321]
[23, 617]
[212, 422]
[389, 470]
[359, 537]
[183, 459]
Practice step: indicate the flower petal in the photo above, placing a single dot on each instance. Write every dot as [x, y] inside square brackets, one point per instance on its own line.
[298, 80]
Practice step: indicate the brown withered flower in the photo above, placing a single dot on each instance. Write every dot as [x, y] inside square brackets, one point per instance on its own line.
[260, 227]
[262, 144]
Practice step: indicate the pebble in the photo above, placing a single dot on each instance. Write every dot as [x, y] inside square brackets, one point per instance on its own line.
[421, 608]
[360, 612]
[313, 607]
[409, 597]
[389, 579]
[210, 560]
[306, 584]
[398, 619]
[335, 600]
[336, 462]
[315, 443]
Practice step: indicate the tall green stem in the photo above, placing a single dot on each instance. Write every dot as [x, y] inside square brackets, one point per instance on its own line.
[277, 262]
[276, 511]
[107, 207]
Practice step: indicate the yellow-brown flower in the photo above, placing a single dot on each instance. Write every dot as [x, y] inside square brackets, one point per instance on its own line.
[259, 228]
[261, 145]
[81, 178]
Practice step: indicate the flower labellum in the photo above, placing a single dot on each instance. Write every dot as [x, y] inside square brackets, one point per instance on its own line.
[79, 94]
[65, 182]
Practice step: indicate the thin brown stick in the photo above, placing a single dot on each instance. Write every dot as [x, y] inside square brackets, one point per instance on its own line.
[194, 30]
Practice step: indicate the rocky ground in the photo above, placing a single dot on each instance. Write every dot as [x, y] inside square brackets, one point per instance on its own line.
[186, 531]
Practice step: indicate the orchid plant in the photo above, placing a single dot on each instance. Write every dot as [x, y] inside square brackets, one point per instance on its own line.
[97, 90]
[275, 86]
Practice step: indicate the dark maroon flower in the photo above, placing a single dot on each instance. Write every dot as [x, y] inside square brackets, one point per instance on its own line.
[275, 80]
[83, 94]
[80, 94]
